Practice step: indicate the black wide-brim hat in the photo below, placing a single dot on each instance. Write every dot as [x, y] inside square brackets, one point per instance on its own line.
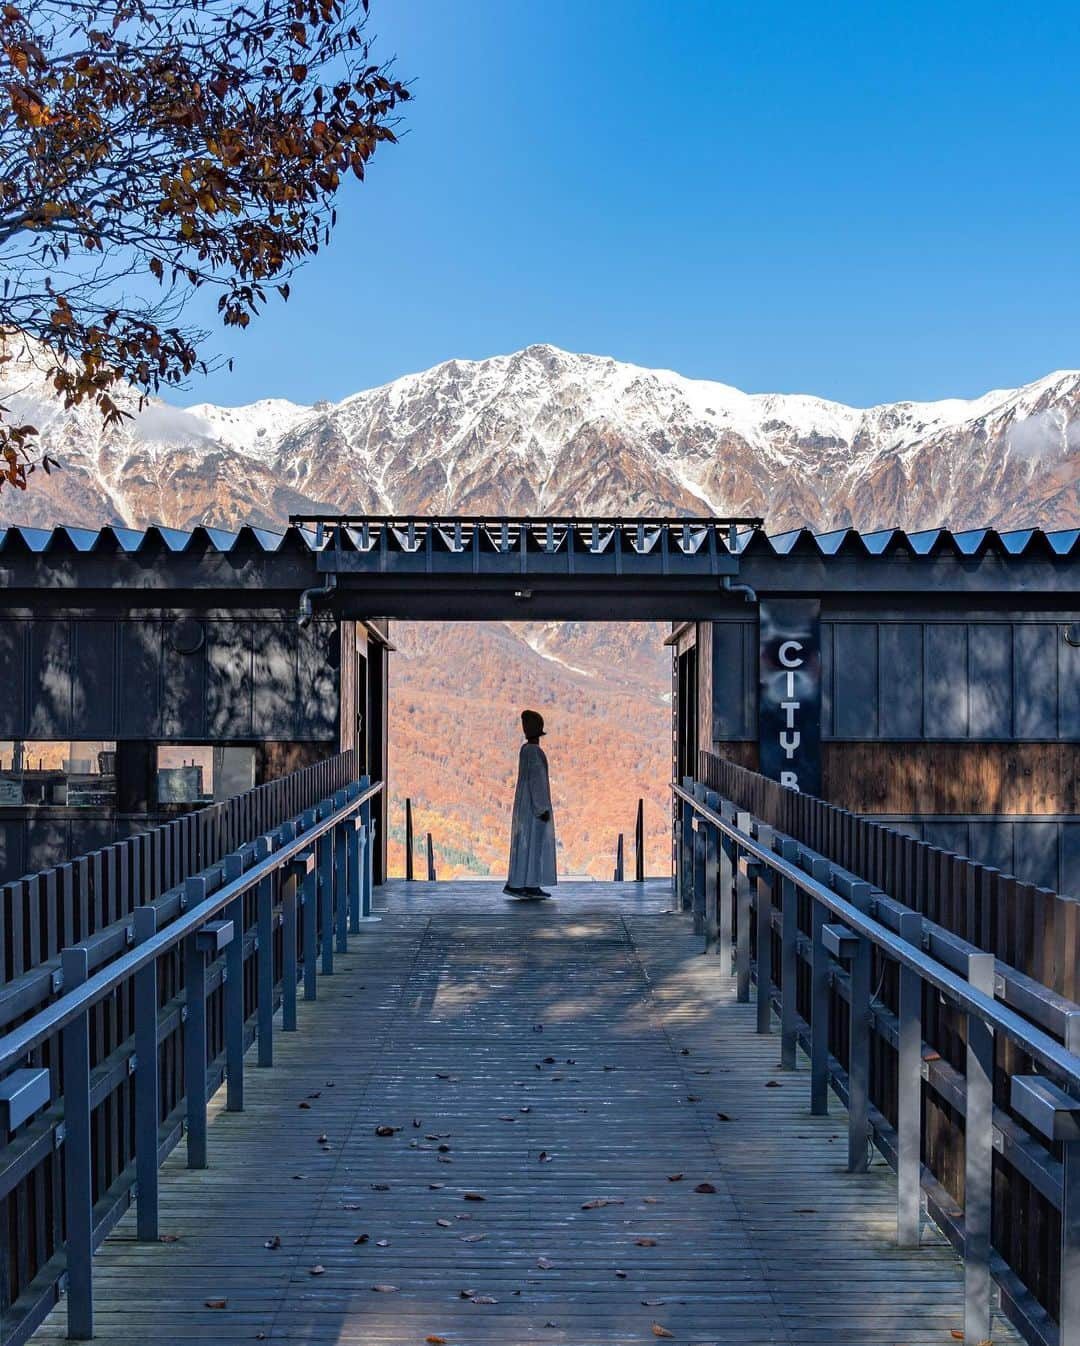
[532, 722]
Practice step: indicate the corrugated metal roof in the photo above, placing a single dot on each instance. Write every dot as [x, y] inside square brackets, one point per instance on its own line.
[969, 543]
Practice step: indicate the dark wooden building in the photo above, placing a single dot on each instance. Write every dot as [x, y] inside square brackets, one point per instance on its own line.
[928, 680]
[157, 671]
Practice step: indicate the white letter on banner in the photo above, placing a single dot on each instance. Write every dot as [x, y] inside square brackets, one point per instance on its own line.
[782, 654]
[789, 742]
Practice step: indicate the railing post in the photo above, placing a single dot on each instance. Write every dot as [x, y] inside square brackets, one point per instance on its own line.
[619, 860]
[743, 822]
[264, 846]
[725, 896]
[430, 859]
[308, 890]
[288, 942]
[341, 875]
[789, 961]
[859, 1044]
[147, 1105]
[909, 1094]
[78, 1183]
[325, 887]
[819, 1001]
[195, 1034]
[408, 842]
[763, 960]
[1056, 1115]
[712, 801]
[639, 843]
[978, 1158]
[367, 892]
[697, 862]
[235, 864]
[686, 842]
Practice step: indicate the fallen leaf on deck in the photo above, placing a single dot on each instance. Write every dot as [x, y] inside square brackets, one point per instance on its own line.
[723, 1117]
[361, 1238]
[444, 1159]
[380, 1187]
[216, 1303]
[551, 1323]
[273, 1243]
[324, 1139]
[545, 1158]
[316, 1094]
[651, 1200]
[444, 1148]
[351, 1205]
[645, 1243]
[543, 1264]
[956, 1334]
[444, 1224]
[549, 1060]
[659, 1331]
[599, 1201]
[503, 1117]
[417, 1122]
[805, 1210]
[317, 1270]
[526, 1108]
[674, 1177]
[303, 1105]
[435, 1341]
[439, 1075]
[385, 1289]
[168, 1238]
[386, 1130]
[773, 1084]
[382, 1243]
[466, 1294]
[484, 1299]
[473, 1238]
[685, 1051]
[474, 1196]
[653, 1303]
[693, 1098]
[620, 1275]
[705, 1187]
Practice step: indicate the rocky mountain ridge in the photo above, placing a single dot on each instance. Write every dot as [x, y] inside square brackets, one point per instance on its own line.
[546, 431]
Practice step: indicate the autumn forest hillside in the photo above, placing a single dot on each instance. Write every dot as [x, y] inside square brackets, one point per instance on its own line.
[456, 690]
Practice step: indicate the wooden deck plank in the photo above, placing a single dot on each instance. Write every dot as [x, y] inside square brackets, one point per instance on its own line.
[562, 1052]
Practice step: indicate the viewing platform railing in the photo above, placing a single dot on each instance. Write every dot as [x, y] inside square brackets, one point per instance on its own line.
[111, 1050]
[931, 1043]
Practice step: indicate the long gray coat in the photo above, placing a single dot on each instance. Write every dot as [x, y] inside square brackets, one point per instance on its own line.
[532, 842]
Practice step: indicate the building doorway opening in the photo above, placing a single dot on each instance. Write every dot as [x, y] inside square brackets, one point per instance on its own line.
[456, 691]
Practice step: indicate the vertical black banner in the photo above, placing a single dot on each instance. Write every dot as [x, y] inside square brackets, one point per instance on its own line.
[789, 693]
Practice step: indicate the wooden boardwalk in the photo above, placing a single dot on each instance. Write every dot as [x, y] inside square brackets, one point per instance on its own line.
[561, 1080]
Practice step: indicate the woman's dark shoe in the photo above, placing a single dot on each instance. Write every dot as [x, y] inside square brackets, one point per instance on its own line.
[536, 892]
[515, 892]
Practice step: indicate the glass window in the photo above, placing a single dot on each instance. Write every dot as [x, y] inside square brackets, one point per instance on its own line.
[203, 773]
[40, 772]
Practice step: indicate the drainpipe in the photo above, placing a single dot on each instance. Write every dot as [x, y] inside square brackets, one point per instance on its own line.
[307, 597]
[733, 586]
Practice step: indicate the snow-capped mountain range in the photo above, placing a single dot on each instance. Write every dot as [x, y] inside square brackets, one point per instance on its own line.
[546, 431]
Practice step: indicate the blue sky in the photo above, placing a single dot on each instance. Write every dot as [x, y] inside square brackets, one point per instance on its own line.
[866, 202]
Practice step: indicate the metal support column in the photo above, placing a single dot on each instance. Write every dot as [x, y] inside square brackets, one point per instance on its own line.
[235, 864]
[265, 957]
[147, 1102]
[724, 898]
[819, 1002]
[742, 916]
[341, 877]
[978, 1159]
[909, 1094]
[712, 801]
[763, 936]
[78, 1182]
[195, 1040]
[789, 961]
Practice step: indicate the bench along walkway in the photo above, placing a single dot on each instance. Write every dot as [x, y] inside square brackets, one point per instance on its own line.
[589, 1144]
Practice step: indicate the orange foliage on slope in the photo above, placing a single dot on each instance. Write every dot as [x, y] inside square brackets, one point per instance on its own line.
[456, 691]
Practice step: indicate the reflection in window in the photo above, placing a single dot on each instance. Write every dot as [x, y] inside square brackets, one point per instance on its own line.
[193, 773]
[61, 774]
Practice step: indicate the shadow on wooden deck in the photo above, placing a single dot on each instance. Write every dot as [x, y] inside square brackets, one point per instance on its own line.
[585, 1148]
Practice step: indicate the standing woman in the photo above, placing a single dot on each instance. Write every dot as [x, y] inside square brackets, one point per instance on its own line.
[532, 831]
